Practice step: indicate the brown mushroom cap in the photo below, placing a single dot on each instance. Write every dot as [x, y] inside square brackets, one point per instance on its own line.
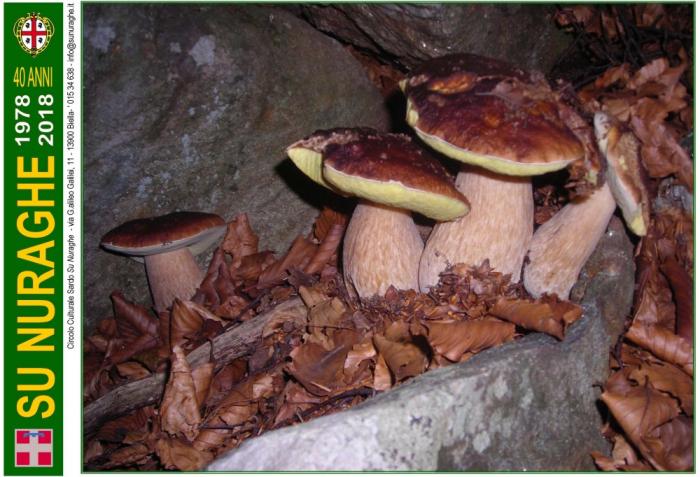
[390, 169]
[490, 114]
[166, 233]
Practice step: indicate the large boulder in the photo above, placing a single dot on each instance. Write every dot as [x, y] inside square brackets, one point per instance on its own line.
[527, 405]
[525, 35]
[190, 108]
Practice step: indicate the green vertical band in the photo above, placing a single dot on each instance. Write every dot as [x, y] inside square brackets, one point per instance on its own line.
[33, 230]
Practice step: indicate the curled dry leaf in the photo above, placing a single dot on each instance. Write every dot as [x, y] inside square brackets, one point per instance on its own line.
[132, 370]
[536, 316]
[117, 429]
[682, 287]
[382, 375]
[327, 249]
[175, 454]
[134, 316]
[185, 323]
[326, 220]
[666, 378]
[202, 377]
[453, 339]
[134, 454]
[663, 343]
[672, 444]
[640, 412]
[320, 371]
[404, 359]
[296, 399]
[240, 240]
[624, 457]
[298, 256]
[179, 410]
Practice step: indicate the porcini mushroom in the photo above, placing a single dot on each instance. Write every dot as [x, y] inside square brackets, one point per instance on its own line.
[562, 245]
[624, 171]
[166, 245]
[488, 114]
[393, 176]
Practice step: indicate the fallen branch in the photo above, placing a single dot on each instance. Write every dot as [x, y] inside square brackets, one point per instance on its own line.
[223, 349]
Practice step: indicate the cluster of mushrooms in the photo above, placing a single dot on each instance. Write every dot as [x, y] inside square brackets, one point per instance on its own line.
[504, 125]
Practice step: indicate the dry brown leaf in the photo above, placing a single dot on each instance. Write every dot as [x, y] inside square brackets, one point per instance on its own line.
[623, 457]
[116, 429]
[240, 240]
[530, 315]
[179, 409]
[175, 454]
[320, 371]
[640, 412]
[327, 249]
[130, 455]
[202, 377]
[672, 445]
[132, 370]
[295, 400]
[453, 339]
[663, 343]
[666, 378]
[404, 359]
[382, 375]
[185, 324]
[682, 286]
[297, 256]
[134, 316]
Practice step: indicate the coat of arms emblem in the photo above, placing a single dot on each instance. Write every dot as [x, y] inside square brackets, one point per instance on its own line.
[33, 32]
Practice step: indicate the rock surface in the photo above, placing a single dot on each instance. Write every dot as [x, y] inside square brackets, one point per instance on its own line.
[527, 405]
[410, 33]
[190, 108]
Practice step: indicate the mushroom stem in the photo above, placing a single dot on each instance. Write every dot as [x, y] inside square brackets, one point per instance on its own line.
[562, 245]
[172, 275]
[382, 248]
[498, 228]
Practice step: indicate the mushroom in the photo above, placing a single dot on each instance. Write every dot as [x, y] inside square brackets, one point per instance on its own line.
[393, 176]
[166, 244]
[488, 114]
[624, 172]
[562, 245]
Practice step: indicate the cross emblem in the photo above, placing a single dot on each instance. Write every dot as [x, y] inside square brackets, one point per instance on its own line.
[30, 30]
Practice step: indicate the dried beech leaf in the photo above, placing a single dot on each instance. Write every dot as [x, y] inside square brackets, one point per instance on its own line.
[672, 445]
[179, 410]
[127, 456]
[530, 315]
[382, 375]
[240, 240]
[126, 312]
[177, 455]
[669, 379]
[663, 343]
[327, 249]
[318, 370]
[296, 399]
[623, 458]
[185, 324]
[326, 220]
[297, 256]
[682, 286]
[453, 339]
[403, 359]
[640, 412]
[202, 377]
[116, 429]
[132, 370]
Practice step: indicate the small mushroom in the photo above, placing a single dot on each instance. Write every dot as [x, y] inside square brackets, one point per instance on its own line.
[624, 172]
[166, 244]
[488, 114]
[393, 176]
[562, 245]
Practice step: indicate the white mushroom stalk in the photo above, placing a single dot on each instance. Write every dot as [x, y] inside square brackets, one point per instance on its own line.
[498, 228]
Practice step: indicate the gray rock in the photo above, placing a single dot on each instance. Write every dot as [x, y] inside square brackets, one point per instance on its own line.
[410, 33]
[190, 108]
[527, 405]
